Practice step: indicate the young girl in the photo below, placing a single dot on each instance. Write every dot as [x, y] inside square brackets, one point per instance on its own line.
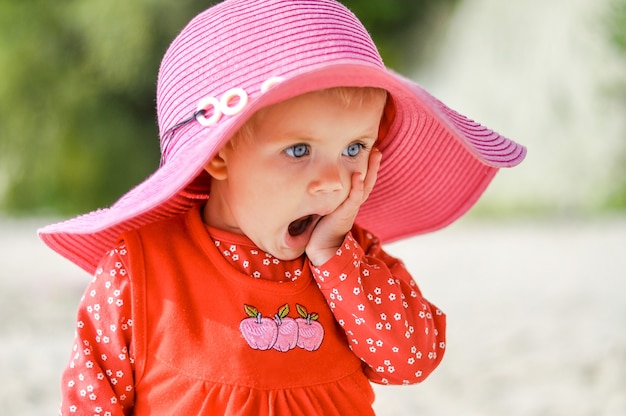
[246, 275]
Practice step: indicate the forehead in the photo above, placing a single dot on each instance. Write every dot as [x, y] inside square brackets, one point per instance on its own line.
[294, 113]
[349, 98]
[346, 110]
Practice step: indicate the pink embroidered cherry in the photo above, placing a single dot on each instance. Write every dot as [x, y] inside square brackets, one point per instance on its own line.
[260, 333]
[287, 330]
[310, 332]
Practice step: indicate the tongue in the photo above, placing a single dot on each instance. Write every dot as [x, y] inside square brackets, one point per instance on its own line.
[299, 226]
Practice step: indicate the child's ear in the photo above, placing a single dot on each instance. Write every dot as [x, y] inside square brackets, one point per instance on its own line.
[216, 167]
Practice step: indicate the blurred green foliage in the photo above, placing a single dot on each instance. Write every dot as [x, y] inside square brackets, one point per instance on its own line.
[617, 34]
[77, 110]
[617, 24]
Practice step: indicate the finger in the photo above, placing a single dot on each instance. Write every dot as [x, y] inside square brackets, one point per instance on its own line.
[354, 199]
[345, 214]
[372, 172]
[361, 186]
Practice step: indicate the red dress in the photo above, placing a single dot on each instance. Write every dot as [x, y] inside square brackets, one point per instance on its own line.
[182, 321]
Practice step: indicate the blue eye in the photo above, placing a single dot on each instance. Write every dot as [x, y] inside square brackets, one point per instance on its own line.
[353, 150]
[298, 150]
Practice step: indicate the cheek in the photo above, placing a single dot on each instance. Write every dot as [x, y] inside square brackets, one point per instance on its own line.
[361, 166]
[259, 191]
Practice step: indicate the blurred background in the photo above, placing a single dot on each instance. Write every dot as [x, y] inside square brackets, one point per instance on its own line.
[544, 248]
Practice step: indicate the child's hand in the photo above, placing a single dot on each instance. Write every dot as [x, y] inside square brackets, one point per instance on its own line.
[332, 229]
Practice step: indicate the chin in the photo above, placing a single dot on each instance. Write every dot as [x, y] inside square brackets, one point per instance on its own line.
[287, 255]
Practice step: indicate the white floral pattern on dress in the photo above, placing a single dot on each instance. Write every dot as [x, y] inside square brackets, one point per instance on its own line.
[252, 262]
[99, 377]
[377, 303]
[388, 323]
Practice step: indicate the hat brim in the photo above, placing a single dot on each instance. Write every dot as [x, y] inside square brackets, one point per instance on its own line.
[436, 164]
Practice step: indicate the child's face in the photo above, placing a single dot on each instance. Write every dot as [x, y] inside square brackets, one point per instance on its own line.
[296, 168]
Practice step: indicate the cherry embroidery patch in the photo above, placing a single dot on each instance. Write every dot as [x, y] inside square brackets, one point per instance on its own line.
[282, 333]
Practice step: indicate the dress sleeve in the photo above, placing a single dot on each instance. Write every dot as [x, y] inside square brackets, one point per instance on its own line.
[99, 376]
[397, 333]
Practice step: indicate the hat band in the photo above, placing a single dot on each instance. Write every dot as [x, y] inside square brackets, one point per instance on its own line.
[210, 110]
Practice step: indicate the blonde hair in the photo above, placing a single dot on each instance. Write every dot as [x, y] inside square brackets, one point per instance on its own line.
[346, 96]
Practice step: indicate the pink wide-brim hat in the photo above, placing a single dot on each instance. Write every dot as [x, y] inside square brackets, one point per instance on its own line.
[242, 55]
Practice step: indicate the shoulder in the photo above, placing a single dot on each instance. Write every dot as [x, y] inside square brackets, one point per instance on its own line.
[114, 258]
[162, 231]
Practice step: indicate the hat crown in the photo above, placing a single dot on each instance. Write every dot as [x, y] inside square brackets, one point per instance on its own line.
[243, 43]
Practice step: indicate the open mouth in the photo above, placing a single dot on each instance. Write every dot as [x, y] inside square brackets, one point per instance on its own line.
[299, 226]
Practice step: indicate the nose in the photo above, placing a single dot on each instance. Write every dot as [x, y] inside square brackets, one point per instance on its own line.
[326, 178]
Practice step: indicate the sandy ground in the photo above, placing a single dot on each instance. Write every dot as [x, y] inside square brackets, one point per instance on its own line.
[537, 319]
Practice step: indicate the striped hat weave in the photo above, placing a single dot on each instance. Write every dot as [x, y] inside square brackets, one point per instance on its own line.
[242, 55]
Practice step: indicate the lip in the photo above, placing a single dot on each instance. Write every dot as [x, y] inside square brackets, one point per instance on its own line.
[302, 239]
[299, 226]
